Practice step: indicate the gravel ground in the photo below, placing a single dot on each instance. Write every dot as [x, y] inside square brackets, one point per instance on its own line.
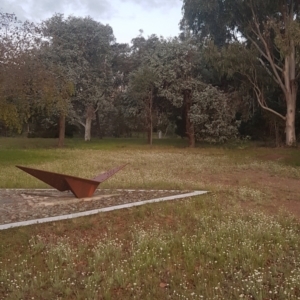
[23, 204]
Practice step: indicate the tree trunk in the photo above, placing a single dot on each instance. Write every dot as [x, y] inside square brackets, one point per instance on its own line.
[150, 121]
[291, 89]
[290, 131]
[277, 136]
[165, 134]
[87, 129]
[90, 114]
[190, 129]
[61, 133]
[150, 134]
[100, 135]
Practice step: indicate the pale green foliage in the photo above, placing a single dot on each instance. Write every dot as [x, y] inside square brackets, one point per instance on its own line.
[139, 98]
[9, 116]
[81, 49]
[140, 89]
[29, 84]
[178, 70]
[213, 117]
[15, 40]
[195, 11]
[271, 27]
[181, 83]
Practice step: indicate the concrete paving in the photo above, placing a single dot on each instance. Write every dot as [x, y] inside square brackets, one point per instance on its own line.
[96, 211]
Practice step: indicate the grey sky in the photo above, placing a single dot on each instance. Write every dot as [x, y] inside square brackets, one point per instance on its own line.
[125, 16]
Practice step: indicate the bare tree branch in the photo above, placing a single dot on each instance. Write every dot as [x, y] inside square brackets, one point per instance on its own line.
[268, 70]
[267, 53]
[259, 96]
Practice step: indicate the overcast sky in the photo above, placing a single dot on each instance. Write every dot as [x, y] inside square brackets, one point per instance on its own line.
[126, 17]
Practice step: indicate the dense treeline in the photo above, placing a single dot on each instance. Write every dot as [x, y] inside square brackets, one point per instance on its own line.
[232, 73]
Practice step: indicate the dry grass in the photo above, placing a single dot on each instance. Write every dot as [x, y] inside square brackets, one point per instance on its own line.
[154, 168]
[208, 247]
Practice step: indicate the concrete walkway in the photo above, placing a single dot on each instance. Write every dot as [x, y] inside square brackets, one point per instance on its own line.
[96, 211]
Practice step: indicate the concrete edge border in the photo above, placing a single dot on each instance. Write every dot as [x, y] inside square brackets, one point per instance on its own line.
[96, 211]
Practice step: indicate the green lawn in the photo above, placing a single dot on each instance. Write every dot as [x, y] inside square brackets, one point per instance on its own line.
[233, 243]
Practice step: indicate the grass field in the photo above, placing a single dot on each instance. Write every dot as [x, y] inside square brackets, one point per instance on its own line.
[240, 241]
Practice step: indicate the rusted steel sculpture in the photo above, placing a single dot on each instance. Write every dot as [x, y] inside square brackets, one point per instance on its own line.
[80, 187]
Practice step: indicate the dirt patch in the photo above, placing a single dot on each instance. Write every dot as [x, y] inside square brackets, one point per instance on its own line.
[281, 188]
[283, 193]
[272, 157]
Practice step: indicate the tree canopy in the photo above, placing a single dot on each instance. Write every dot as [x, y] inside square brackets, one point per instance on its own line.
[272, 28]
[234, 67]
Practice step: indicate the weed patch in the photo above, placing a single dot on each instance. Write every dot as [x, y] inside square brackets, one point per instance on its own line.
[212, 254]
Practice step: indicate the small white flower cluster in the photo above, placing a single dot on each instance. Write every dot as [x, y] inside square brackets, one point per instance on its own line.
[209, 253]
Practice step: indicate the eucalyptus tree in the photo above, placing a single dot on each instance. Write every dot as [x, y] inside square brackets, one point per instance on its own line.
[10, 112]
[213, 116]
[271, 27]
[81, 48]
[17, 43]
[16, 37]
[112, 119]
[140, 95]
[181, 79]
[140, 99]
[142, 47]
[178, 78]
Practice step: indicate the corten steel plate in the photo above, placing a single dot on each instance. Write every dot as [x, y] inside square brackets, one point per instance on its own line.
[80, 187]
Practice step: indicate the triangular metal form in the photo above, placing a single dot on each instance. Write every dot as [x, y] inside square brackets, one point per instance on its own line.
[80, 187]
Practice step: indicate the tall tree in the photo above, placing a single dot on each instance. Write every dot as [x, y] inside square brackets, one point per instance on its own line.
[13, 39]
[141, 93]
[81, 47]
[270, 26]
[178, 78]
[213, 116]
[23, 83]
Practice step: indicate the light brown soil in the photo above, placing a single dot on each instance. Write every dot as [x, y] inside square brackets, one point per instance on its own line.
[283, 193]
